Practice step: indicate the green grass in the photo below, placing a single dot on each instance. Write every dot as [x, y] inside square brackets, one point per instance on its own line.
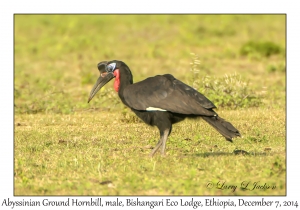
[65, 146]
[73, 154]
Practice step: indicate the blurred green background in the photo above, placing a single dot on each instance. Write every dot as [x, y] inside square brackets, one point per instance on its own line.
[56, 55]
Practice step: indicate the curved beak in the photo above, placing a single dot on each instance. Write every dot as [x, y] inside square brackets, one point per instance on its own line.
[102, 80]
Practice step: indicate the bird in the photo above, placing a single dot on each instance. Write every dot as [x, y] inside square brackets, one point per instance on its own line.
[160, 101]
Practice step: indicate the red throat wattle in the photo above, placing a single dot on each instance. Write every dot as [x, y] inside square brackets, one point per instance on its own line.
[117, 80]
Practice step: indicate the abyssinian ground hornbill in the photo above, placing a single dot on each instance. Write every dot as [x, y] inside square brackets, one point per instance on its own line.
[161, 101]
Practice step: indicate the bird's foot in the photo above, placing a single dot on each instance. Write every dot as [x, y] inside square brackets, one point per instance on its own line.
[163, 154]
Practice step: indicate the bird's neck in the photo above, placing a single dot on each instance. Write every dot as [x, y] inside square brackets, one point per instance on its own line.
[122, 80]
[117, 80]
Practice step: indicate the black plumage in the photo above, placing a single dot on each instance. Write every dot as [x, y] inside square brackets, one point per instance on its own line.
[161, 101]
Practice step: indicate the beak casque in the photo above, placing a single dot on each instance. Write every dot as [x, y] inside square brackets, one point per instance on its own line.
[104, 78]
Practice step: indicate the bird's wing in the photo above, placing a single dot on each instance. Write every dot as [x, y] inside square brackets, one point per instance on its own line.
[164, 92]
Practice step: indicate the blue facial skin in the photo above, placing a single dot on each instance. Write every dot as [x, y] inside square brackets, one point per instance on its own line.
[111, 67]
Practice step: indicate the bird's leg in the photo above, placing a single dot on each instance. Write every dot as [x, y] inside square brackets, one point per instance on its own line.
[162, 140]
[156, 147]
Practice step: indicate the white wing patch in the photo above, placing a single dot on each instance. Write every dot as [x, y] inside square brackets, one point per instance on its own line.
[155, 109]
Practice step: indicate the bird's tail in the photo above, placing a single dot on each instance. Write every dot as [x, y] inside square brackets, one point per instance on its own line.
[225, 128]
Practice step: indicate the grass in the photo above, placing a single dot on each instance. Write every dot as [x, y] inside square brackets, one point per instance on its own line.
[64, 146]
[73, 154]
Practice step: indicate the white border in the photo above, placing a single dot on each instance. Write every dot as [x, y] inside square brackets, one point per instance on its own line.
[6, 73]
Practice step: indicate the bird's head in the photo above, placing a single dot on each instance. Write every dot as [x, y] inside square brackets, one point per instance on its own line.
[109, 70]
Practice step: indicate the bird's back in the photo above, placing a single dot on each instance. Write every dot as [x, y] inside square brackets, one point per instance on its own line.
[167, 93]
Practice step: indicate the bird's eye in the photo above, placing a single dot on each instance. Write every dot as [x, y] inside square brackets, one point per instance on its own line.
[111, 67]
